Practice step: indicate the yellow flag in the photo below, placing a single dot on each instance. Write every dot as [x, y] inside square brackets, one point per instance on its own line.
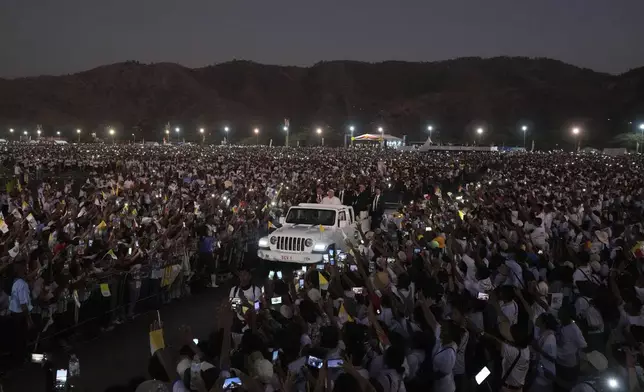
[102, 225]
[25, 205]
[322, 280]
[270, 225]
[321, 229]
[343, 314]
[156, 340]
[111, 253]
[461, 214]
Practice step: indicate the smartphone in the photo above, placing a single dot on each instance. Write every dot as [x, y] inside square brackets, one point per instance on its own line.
[61, 379]
[390, 260]
[428, 228]
[353, 267]
[301, 283]
[358, 290]
[184, 225]
[335, 363]
[136, 243]
[279, 274]
[540, 252]
[256, 305]
[482, 375]
[271, 275]
[276, 300]
[304, 268]
[90, 243]
[195, 341]
[314, 362]
[129, 251]
[320, 267]
[483, 296]
[332, 261]
[232, 383]
[417, 250]
[235, 302]
[276, 354]
[37, 358]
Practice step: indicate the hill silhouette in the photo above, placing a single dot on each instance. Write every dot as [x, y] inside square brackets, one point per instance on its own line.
[455, 96]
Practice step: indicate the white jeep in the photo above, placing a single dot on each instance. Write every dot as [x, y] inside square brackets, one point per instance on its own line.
[308, 233]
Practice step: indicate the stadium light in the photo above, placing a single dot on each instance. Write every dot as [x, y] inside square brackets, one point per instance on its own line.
[641, 127]
[319, 131]
[58, 133]
[352, 128]
[256, 131]
[285, 128]
[430, 128]
[10, 130]
[167, 131]
[226, 129]
[524, 128]
[380, 129]
[201, 130]
[575, 131]
[26, 133]
[479, 130]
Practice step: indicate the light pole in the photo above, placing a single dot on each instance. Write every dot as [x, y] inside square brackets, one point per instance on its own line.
[479, 132]
[58, 133]
[256, 136]
[177, 131]
[351, 129]
[319, 132]
[112, 135]
[134, 138]
[78, 132]
[285, 128]
[641, 143]
[430, 129]
[203, 135]
[167, 135]
[525, 130]
[576, 132]
[38, 132]
[226, 129]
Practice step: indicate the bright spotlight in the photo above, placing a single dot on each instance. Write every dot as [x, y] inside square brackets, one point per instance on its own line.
[612, 383]
[111, 132]
[176, 129]
[319, 131]
[576, 131]
[479, 130]
[524, 128]
[380, 129]
[352, 128]
[78, 131]
[256, 130]
[430, 128]
[285, 128]
[201, 130]
[642, 126]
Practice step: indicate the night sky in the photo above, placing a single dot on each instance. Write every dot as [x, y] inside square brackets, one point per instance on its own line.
[66, 36]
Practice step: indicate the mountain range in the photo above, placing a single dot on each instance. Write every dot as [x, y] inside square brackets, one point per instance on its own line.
[500, 94]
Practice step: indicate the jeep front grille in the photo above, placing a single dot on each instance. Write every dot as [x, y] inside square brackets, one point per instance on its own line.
[295, 244]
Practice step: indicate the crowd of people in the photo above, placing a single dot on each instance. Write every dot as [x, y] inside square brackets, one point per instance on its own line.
[495, 271]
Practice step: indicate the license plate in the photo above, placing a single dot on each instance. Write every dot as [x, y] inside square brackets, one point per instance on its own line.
[287, 258]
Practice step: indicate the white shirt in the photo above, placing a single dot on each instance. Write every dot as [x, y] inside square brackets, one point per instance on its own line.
[571, 340]
[548, 344]
[19, 296]
[331, 200]
[520, 370]
[511, 311]
[443, 360]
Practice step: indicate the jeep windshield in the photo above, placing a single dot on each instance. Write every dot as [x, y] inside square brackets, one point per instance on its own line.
[308, 216]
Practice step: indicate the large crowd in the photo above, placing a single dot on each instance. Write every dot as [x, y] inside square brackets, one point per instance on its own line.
[490, 271]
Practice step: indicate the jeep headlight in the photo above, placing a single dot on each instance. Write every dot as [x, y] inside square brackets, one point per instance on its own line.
[263, 242]
[273, 240]
[308, 243]
[320, 247]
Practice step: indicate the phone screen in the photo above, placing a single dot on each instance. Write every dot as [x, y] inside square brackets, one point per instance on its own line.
[276, 300]
[61, 377]
[195, 341]
[358, 290]
[279, 274]
[271, 275]
[129, 251]
[301, 283]
[256, 305]
[417, 250]
[37, 358]
[353, 267]
[90, 243]
[483, 296]
[320, 267]
[335, 363]
[276, 355]
[232, 383]
[482, 375]
[314, 362]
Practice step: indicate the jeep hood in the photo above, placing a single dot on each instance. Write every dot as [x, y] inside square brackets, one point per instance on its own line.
[300, 231]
